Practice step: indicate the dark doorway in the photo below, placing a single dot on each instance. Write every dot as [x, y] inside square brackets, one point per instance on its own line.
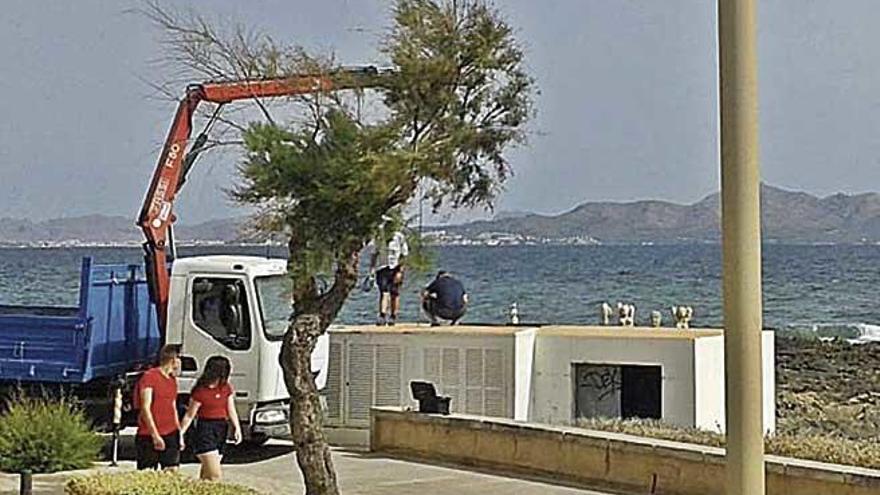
[617, 391]
[640, 393]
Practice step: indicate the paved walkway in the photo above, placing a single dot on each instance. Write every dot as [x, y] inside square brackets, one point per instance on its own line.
[272, 470]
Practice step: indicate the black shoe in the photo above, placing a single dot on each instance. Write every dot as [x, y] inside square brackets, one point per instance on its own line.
[391, 321]
[380, 320]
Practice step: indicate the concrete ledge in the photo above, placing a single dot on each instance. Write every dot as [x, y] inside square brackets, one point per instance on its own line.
[597, 459]
[347, 437]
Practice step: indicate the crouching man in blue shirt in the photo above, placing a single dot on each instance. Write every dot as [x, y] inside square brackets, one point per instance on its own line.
[444, 298]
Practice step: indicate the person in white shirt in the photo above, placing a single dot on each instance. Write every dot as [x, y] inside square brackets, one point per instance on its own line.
[389, 276]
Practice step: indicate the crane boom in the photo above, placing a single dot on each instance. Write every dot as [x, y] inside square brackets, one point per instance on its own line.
[156, 215]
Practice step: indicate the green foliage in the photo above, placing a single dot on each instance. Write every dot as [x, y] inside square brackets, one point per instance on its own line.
[46, 436]
[421, 255]
[328, 191]
[458, 98]
[149, 483]
[822, 447]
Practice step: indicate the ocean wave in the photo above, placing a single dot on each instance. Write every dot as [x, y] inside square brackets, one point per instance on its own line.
[854, 333]
[868, 333]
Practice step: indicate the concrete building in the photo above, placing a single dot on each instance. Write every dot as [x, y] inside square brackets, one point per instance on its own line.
[553, 375]
[565, 373]
[370, 365]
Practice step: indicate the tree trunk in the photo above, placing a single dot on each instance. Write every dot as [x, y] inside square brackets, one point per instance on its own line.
[306, 416]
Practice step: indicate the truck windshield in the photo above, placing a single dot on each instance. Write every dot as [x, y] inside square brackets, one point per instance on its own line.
[275, 304]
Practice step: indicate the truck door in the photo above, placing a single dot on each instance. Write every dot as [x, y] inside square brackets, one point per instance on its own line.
[220, 321]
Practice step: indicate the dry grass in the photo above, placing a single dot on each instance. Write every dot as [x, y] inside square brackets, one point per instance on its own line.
[814, 413]
[821, 447]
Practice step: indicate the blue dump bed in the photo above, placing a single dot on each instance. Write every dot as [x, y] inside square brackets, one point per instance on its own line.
[111, 331]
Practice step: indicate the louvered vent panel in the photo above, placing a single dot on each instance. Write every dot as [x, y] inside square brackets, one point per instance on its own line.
[494, 368]
[451, 368]
[334, 383]
[495, 386]
[495, 403]
[473, 400]
[388, 371]
[431, 365]
[451, 377]
[474, 367]
[360, 379]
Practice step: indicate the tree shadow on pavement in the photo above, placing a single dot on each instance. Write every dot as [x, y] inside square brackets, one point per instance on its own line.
[235, 454]
[246, 454]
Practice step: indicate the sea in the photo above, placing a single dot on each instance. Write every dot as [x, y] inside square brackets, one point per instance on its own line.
[825, 290]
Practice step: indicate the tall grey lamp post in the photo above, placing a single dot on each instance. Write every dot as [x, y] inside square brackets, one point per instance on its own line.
[741, 246]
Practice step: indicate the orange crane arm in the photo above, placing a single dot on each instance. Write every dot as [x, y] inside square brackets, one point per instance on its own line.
[175, 161]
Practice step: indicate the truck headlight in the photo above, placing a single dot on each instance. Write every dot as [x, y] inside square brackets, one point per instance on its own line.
[270, 416]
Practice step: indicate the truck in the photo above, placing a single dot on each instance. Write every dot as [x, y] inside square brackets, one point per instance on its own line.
[236, 306]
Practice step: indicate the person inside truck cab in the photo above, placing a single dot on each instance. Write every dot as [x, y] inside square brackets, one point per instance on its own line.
[231, 310]
[220, 310]
[158, 440]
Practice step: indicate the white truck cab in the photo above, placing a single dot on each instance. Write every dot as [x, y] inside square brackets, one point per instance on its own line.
[238, 307]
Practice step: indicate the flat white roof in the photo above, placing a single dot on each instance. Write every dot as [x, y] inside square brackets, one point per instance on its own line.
[426, 329]
[576, 331]
[617, 332]
[252, 265]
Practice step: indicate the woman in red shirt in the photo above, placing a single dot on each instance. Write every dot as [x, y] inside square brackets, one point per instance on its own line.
[212, 401]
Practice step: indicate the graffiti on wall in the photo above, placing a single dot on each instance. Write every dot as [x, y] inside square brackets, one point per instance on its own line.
[604, 381]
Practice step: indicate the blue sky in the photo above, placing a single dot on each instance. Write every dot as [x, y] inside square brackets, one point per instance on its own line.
[627, 107]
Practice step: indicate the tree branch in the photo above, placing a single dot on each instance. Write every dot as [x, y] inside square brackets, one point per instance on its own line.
[265, 110]
[344, 280]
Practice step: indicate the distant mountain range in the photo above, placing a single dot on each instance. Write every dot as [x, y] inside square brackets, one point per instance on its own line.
[788, 216]
[103, 229]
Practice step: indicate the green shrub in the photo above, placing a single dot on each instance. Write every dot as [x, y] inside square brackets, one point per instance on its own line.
[822, 447]
[149, 483]
[46, 436]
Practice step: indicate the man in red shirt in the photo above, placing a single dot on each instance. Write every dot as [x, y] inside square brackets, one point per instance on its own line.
[158, 434]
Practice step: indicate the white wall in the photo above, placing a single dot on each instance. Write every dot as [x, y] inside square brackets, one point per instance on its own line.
[524, 369]
[526, 373]
[709, 383]
[768, 346]
[553, 388]
[710, 392]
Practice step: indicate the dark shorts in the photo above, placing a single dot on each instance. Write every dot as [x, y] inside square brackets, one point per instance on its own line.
[385, 280]
[437, 311]
[210, 435]
[150, 458]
